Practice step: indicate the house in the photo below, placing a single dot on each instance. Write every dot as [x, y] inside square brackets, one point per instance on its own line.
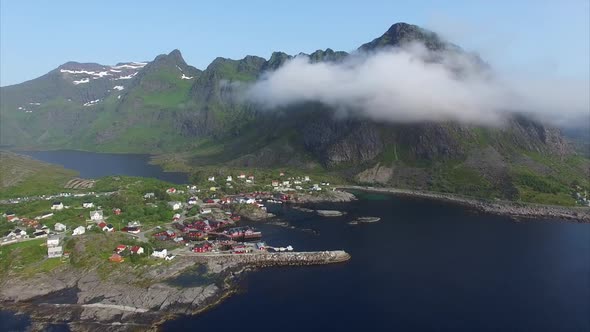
[171, 190]
[137, 250]
[296, 182]
[192, 201]
[117, 211]
[204, 247]
[275, 183]
[9, 214]
[40, 234]
[251, 177]
[175, 205]
[211, 178]
[53, 241]
[17, 233]
[87, 205]
[281, 174]
[178, 239]
[116, 258]
[59, 227]
[306, 178]
[162, 253]
[105, 227]
[57, 206]
[286, 183]
[12, 218]
[176, 217]
[316, 187]
[205, 210]
[132, 230]
[134, 223]
[96, 215]
[149, 195]
[120, 248]
[79, 230]
[229, 178]
[54, 248]
[55, 252]
[242, 176]
[248, 181]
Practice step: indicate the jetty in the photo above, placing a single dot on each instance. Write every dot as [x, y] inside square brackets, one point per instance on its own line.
[265, 258]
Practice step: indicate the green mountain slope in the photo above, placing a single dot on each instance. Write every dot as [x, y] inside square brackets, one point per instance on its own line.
[167, 106]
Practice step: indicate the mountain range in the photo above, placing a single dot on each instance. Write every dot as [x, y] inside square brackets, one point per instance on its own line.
[166, 106]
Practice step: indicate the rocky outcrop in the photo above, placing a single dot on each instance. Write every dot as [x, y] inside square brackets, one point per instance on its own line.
[377, 174]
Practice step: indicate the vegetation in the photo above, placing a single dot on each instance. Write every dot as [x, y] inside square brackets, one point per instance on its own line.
[24, 176]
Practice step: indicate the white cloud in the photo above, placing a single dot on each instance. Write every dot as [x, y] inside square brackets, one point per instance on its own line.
[398, 85]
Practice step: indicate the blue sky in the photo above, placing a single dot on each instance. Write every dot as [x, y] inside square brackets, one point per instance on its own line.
[37, 36]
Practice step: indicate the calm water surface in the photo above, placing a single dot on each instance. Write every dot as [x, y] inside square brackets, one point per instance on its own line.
[426, 266]
[95, 165]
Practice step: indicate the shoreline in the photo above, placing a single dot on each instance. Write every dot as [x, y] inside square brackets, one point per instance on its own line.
[499, 207]
[123, 310]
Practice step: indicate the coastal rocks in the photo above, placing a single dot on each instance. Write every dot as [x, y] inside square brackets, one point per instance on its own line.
[364, 220]
[378, 174]
[330, 213]
[275, 259]
[327, 196]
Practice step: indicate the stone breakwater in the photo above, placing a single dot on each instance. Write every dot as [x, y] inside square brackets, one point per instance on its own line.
[513, 209]
[220, 262]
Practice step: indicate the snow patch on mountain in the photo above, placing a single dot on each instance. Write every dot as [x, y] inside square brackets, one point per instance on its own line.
[84, 80]
[118, 87]
[184, 77]
[92, 102]
[127, 77]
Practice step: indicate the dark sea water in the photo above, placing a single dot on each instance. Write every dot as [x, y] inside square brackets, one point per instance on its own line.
[95, 165]
[426, 266]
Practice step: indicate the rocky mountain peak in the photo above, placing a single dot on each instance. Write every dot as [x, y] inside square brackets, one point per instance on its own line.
[402, 33]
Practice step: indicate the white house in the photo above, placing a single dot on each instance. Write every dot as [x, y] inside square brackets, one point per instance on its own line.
[53, 241]
[175, 205]
[229, 178]
[79, 230]
[87, 205]
[57, 206]
[17, 233]
[59, 227]
[192, 200]
[169, 257]
[316, 187]
[242, 176]
[160, 253]
[149, 195]
[211, 178]
[306, 178]
[248, 181]
[205, 210]
[96, 215]
[55, 252]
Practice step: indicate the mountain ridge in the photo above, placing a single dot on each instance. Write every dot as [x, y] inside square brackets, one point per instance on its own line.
[167, 106]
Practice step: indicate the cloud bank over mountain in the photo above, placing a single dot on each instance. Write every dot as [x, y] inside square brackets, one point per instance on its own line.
[412, 84]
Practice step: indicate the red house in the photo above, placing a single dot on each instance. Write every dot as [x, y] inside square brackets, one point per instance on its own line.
[120, 248]
[117, 211]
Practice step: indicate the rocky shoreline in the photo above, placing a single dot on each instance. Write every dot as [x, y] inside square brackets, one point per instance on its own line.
[119, 304]
[507, 208]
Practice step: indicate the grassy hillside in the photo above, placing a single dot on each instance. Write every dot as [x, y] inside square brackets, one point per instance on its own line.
[24, 176]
